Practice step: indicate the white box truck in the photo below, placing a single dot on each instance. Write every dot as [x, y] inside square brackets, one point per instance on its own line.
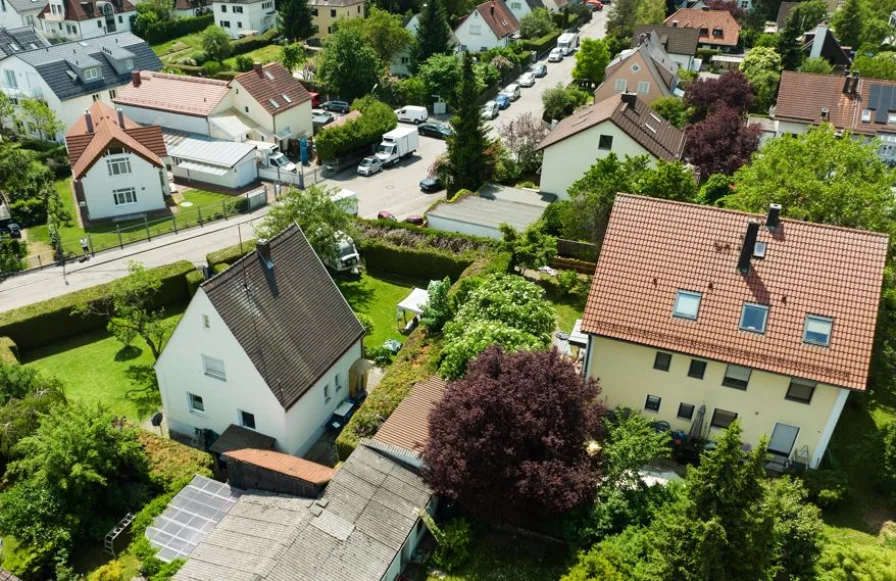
[397, 144]
[568, 42]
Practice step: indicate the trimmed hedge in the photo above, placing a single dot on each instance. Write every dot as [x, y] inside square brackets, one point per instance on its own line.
[418, 263]
[165, 30]
[229, 254]
[250, 43]
[540, 45]
[335, 141]
[9, 353]
[416, 361]
[50, 321]
[194, 279]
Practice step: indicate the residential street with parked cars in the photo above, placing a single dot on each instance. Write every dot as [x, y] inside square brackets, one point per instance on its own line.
[397, 189]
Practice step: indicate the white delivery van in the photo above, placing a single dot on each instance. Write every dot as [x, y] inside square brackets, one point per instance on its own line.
[568, 42]
[348, 200]
[412, 114]
[397, 144]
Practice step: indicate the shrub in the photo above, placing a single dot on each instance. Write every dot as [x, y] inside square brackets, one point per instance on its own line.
[212, 68]
[9, 353]
[827, 488]
[380, 355]
[237, 205]
[163, 30]
[418, 263]
[887, 466]
[453, 548]
[50, 321]
[111, 571]
[376, 119]
[229, 254]
[250, 43]
[244, 63]
[194, 279]
[198, 56]
[543, 44]
[568, 282]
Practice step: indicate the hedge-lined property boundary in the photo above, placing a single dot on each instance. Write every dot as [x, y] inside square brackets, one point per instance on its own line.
[165, 30]
[229, 254]
[53, 320]
[540, 45]
[416, 361]
[417, 263]
[9, 352]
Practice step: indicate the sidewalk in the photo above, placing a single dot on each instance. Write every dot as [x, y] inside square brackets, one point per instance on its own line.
[191, 245]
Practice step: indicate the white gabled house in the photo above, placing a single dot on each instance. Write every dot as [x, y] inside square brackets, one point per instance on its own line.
[19, 13]
[267, 345]
[245, 17]
[490, 25]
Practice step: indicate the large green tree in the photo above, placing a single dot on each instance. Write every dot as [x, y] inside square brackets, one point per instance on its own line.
[880, 66]
[848, 23]
[349, 65]
[621, 20]
[42, 119]
[467, 145]
[790, 44]
[295, 20]
[384, 31]
[537, 23]
[216, 43]
[433, 32]
[532, 248]
[316, 212]
[591, 60]
[25, 393]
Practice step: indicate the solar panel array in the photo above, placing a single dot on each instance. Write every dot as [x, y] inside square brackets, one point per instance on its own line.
[882, 100]
[190, 516]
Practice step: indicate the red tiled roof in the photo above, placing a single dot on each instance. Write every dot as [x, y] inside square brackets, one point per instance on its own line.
[284, 464]
[408, 426]
[84, 148]
[653, 248]
[274, 84]
[656, 135]
[76, 9]
[499, 18]
[175, 93]
[710, 20]
[802, 96]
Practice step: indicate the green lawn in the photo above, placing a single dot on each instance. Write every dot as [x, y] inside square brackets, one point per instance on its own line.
[95, 368]
[377, 298]
[191, 41]
[569, 308]
[105, 235]
[263, 55]
[504, 557]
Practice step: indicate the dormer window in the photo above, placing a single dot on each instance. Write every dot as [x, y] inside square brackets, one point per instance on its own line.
[818, 330]
[704, 32]
[91, 74]
[753, 318]
[687, 305]
[717, 33]
[129, 64]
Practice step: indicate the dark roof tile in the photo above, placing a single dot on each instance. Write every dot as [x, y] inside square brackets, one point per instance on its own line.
[674, 40]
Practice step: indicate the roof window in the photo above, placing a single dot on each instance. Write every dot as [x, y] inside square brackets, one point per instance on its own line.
[269, 75]
[286, 98]
[274, 103]
[753, 318]
[818, 330]
[759, 249]
[687, 305]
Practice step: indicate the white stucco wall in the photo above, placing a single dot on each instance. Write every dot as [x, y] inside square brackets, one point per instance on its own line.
[784, 127]
[519, 8]
[485, 40]
[182, 122]
[180, 372]
[253, 17]
[307, 419]
[242, 173]
[9, 18]
[684, 61]
[84, 29]
[568, 160]
[145, 178]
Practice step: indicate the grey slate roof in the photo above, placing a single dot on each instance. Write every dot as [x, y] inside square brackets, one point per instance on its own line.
[21, 6]
[16, 40]
[52, 63]
[292, 322]
[496, 205]
[675, 40]
[352, 533]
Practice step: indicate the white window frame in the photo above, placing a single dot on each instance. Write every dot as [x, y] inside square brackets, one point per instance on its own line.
[91, 73]
[191, 404]
[242, 419]
[214, 368]
[687, 296]
[11, 81]
[129, 64]
[743, 315]
[124, 196]
[643, 87]
[822, 320]
[621, 85]
[119, 166]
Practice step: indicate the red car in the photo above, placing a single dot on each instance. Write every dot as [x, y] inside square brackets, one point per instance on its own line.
[594, 5]
[315, 100]
[385, 215]
[416, 220]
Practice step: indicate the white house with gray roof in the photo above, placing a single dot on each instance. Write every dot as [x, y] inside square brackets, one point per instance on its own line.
[19, 13]
[71, 76]
[15, 40]
[365, 527]
[245, 17]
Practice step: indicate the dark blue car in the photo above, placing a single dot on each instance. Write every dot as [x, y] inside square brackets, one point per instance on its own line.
[503, 101]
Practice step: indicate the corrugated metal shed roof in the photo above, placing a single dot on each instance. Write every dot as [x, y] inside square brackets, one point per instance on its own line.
[496, 205]
[219, 153]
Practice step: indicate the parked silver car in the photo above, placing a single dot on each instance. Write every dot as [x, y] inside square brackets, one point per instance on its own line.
[489, 111]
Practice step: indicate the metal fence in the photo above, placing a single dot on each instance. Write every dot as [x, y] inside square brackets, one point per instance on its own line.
[119, 234]
[578, 250]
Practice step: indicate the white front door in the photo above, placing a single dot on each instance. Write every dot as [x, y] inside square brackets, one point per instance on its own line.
[783, 438]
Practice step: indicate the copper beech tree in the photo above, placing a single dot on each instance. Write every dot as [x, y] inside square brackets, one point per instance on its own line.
[514, 440]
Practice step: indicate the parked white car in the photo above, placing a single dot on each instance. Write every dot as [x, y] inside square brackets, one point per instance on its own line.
[370, 165]
[489, 111]
[556, 55]
[526, 80]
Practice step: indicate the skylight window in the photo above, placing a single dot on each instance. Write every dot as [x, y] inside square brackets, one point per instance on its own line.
[274, 103]
[286, 98]
[649, 127]
[759, 249]
[818, 330]
[687, 305]
[269, 75]
[753, 318]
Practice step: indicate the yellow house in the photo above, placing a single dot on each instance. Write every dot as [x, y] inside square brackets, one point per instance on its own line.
[699, 316]
[326, 12]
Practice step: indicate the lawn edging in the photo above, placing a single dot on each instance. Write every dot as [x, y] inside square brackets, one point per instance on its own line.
[417, 360]
[46, 322]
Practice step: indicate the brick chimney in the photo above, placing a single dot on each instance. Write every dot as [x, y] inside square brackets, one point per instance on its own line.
[258, 70]
[89, 120]
[136, 79]
[120, 117]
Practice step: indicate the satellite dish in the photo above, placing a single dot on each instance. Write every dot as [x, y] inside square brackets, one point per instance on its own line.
[156, 419]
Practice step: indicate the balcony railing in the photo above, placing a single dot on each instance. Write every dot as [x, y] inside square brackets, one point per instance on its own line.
[19, 93]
